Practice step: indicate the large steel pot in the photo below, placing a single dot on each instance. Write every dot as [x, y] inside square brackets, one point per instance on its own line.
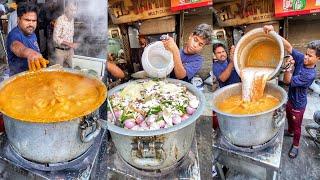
[253, 129]
[156, 149]
[52, 142]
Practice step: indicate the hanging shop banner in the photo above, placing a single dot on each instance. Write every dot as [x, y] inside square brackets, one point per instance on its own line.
[244, 12]
[177, 5]
[124, 11]
[296, 7]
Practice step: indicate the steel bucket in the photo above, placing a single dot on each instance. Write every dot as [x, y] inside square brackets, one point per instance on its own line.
[253, 129]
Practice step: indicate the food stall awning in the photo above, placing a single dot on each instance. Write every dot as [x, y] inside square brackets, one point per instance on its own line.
[297, 7]
[177, 5]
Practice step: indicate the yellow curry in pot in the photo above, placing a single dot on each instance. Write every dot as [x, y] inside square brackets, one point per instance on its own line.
[48, 97]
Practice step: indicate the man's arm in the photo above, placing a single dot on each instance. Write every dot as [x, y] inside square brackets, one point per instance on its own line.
[35, 60]
[171, 46]
[114, 70]
[224, 76]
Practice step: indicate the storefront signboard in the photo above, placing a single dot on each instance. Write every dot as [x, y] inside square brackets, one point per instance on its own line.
[177, 5]
[125, 11]
[244, 12]
[296, 7]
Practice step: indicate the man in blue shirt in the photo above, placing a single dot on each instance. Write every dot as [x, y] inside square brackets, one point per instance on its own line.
[22, 46]
[187, 61]
[299, 76]
[223, 67]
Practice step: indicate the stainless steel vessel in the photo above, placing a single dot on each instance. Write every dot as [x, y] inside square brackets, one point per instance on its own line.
[52, 142]
[253, 129]
[252, 38]
[156, 149]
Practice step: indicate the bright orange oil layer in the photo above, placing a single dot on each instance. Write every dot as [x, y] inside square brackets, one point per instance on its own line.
[48, 97]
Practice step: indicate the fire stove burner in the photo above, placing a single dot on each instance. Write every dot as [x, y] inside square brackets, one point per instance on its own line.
[186, 168]
[156, 172]
[15, 156]
[249, 149]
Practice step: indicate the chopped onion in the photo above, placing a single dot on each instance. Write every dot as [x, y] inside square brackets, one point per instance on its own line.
[117, 114]
[150, 120]
[129, 123]
[194, 103]
[176, 120]
[161, 123]
[190, 110]
[184, 117]
[139, 119]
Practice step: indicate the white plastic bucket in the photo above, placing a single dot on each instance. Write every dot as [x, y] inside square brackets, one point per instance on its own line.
[157, 61]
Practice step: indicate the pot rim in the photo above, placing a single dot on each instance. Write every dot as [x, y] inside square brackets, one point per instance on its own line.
[55, 69]
[219, 91]
[194, 90]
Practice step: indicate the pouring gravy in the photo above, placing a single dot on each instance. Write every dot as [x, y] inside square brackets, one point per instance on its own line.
[260, 65]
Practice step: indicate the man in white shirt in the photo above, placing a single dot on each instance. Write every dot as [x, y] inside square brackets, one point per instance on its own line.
[63, 36]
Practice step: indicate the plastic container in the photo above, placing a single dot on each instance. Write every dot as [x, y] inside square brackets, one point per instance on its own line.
[157, 61]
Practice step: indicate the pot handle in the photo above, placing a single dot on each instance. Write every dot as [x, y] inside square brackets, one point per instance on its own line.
[278, 117]
[89, 123]
[148, 154]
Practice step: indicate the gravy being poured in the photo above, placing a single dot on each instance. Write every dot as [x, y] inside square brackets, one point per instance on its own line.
[51, 96]
[260, 64]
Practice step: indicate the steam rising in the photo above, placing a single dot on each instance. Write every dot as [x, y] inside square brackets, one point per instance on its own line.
[91, 28]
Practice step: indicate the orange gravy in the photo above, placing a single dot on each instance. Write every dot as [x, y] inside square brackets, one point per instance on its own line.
[51, 97]
[263, 54]
[235, 105]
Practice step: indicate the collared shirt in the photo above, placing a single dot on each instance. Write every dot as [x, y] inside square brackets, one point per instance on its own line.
[12, 21]
[302, 78]
[63, 31]
[218, 67]
[17, 64]
[192, 64]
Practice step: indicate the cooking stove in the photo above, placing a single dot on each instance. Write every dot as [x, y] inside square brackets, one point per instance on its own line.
[262, 161]
[112, 166]
[79, 168]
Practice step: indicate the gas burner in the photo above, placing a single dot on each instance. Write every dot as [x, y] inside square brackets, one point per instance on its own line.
[249, 149]
[112, 166]
[79, 168]
[13, 155]
[159, 172]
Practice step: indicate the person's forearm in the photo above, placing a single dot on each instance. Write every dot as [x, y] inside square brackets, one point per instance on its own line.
[224, 76]
[20, 50]
[287, 45]
[115, 71]
[287, 77]
[179, 70]
[67, 43]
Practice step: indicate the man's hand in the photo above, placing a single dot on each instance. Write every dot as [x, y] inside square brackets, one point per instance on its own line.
[289, 64]
[74, 45]
[268, 28]
[170, 45]
[36, 61]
